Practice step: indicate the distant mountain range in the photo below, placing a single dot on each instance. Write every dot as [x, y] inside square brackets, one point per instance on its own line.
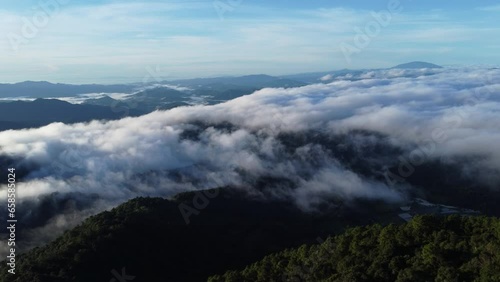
[318, 77]
[144, 98]
[43, 89]
[29, 114]
[210, 91]
[252, 81]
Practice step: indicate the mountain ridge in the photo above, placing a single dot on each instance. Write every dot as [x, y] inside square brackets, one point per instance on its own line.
[417, 65]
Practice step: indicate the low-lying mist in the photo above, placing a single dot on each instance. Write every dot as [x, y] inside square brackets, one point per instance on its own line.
[355, 137]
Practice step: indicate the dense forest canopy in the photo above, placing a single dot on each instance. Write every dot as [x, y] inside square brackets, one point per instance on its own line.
[150, 238]
[428, 248]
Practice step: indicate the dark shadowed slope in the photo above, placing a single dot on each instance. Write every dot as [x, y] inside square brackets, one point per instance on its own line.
[22, 114]
[150, 238]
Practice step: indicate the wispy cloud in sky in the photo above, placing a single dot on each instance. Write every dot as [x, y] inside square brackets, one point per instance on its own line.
[495, 8]
[108, 41]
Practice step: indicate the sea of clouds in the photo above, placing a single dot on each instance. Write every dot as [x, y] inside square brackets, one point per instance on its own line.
[451, 114]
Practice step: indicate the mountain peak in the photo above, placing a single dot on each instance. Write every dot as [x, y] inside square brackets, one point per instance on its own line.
[417, 65]
[45, 101]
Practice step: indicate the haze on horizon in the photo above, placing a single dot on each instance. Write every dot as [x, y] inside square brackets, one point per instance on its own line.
[103, 41]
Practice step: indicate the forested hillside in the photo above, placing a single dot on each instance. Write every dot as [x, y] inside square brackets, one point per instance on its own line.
[428, 248]
[150, 238]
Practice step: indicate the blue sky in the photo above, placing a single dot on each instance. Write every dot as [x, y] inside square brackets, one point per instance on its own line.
[130, 41]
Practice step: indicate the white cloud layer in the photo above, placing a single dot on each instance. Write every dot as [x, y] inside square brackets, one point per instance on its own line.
[167, 152]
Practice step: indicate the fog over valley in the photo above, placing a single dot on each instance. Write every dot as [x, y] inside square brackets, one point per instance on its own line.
[359, 136]
[249, 141]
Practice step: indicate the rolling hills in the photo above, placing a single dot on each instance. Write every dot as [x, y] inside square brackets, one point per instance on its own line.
[31, 114]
